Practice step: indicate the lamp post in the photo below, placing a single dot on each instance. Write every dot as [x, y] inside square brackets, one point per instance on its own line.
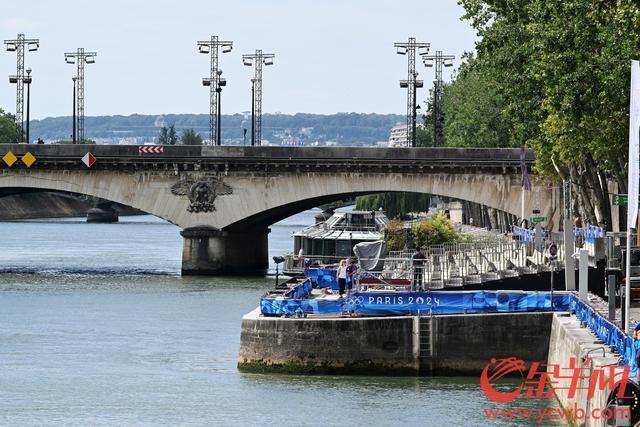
[412, 84]
[27, 80]
[257, 60]
[221, 83]
[80, 57]
[253, 112]
[18, 46]
[74, 109]
[217, 83]
[211, 47]
[439, 60]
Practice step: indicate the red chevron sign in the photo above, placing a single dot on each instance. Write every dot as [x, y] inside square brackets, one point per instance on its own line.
[150, 149]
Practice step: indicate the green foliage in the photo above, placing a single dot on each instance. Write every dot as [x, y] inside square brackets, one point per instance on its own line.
[552, 75]
[394, 204]
[163, 138]
[190, 137]
[172, 138]
[395, 235]
[473, 111]
[9, 130]
[434, 231]
[168, 135]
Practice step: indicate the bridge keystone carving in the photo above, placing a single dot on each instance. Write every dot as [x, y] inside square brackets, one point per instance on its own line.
[201, 193]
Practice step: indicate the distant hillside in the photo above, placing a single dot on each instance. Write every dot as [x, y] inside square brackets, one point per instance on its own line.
[343, 128]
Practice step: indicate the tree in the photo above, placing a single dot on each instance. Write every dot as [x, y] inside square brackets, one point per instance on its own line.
[172, 138]
[168, 135]
[9, 130]
[557, 72]
[190, 137]
[434, 231]
[394, 204]
[395, 235]
[163, 138]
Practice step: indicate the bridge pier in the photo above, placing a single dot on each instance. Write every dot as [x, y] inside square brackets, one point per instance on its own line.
[210, 251]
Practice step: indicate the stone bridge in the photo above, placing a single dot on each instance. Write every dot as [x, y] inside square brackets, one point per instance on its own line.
[225, 198]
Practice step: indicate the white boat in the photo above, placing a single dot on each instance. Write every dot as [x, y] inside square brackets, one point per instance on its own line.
[333, 238]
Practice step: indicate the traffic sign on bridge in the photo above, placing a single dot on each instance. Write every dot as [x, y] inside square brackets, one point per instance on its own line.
[89, 159]
[150, 149]
[536, 219]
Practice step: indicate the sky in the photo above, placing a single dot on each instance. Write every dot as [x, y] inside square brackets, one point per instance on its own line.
[330, 55]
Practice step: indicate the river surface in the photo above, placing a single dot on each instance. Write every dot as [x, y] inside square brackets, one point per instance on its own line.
[98, 328]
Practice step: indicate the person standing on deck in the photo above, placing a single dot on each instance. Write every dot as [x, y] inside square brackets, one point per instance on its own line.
[301, 258]
[341, 276]
[418, 268]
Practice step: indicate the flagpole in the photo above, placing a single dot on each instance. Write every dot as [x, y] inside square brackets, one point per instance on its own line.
[634, 178]
[627, 288]
[522, 204]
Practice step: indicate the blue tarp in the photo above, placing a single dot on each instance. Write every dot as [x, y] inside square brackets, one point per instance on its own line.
[301, 290]
[324, 277]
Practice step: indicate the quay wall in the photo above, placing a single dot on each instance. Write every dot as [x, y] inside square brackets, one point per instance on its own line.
[410, 345]
[570, 340]
[463, 344]
[382, 345]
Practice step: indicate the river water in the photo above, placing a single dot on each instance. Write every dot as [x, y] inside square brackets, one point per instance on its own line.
[98, 328]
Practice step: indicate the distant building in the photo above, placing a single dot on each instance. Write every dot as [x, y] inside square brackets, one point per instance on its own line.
[398, 137]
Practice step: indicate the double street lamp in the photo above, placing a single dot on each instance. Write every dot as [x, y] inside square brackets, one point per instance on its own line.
[405, 84]
[219, 83]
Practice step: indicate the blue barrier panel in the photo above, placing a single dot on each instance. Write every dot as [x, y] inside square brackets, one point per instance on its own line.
[406, 303]
[289, 307]
[301, 290]
[324, 277]
[610, 334]
[453, 302]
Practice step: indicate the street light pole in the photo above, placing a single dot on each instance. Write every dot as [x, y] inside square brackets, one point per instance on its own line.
[409, 48]
[220, 82]
[27, 80]
[19, 45]
[415, 111]
[253, 112]
[74, 109]
[211, 47]
[257, 60]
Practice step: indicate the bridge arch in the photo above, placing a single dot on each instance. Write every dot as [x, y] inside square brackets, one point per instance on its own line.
[270, 200]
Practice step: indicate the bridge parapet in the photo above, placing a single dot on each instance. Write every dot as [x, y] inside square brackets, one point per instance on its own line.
[486, 160]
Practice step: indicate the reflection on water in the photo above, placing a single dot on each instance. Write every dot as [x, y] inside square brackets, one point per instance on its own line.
[98, 328]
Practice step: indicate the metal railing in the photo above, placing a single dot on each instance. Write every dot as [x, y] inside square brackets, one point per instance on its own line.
[456, 264]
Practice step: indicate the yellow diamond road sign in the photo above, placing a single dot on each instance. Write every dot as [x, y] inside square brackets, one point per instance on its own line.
[28, 159]
[9, 158]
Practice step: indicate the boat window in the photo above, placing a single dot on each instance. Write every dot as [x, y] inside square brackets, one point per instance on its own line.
[343, 248]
